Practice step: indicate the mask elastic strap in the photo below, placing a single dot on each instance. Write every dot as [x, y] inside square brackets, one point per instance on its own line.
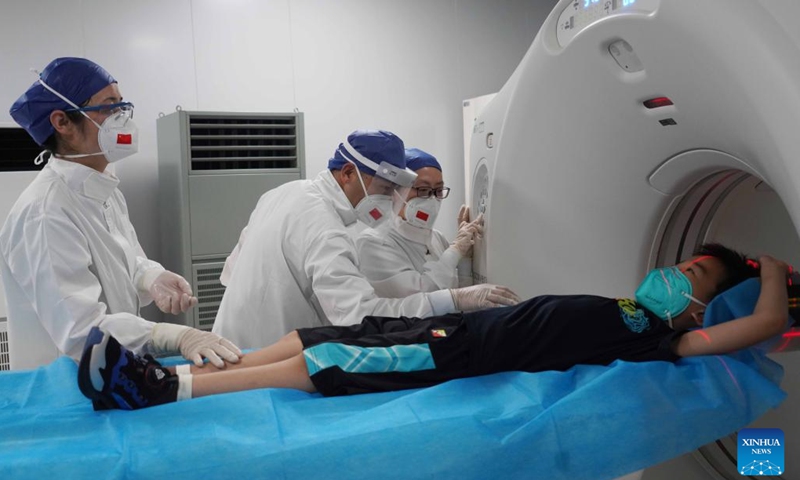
[694, 299]
[394, 192]
[363, 187]
[669, 319]
[361, 158]
[39, 158]
[666, 282]
[80, 155]
[62, 97]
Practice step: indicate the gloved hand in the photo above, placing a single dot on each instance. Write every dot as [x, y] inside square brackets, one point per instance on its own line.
[194, 344]
[171, 292]
[482, 296]
[468, 232]
[463, 215]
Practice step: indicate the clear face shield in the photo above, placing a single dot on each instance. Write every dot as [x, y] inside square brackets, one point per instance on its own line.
[387, 185]
[394, 182]
[379, 203]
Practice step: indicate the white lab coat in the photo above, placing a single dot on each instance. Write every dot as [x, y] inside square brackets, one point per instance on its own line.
[297, 267]
[400, 259]
[70, 261]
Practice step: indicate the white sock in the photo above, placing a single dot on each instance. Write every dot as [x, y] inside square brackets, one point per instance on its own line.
[97, 362]
[184, 387]
[183, 369]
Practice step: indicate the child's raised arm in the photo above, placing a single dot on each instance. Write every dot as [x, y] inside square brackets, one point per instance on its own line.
[768, 319]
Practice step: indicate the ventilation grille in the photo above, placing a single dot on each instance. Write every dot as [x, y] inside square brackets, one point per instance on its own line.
[5, 359]
[209, 293]
[17, 151]
[243, 143]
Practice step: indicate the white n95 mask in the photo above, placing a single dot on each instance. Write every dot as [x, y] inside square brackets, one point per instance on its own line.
[422, 212]
[373, 210]
[118, 137]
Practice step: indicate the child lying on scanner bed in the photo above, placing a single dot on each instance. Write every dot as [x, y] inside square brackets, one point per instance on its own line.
[543, 333]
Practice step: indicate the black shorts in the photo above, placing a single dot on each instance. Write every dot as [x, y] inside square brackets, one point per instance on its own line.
[385, 354]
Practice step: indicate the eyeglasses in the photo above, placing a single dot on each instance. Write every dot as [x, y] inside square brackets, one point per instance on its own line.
[427, 192]
[106, 109]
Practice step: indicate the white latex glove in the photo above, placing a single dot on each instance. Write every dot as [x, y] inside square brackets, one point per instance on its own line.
[468, 232]
[482, 296]
[195, 344]
[171, 292]
[463, 215]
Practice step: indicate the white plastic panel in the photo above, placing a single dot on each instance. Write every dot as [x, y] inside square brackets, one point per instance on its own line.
[577, 191]
[754, 220]
[243, 53]
[678, 173]
[146, 45]
[33, 34]
[579, 14]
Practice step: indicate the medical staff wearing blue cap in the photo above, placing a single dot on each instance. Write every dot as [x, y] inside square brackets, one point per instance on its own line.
[70, 257]
[407, 255]
[296, 265]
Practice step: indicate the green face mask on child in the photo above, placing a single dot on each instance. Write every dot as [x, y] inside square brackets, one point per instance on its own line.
[667, 292]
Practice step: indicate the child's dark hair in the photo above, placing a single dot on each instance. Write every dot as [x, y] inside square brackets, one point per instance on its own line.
[738, 267]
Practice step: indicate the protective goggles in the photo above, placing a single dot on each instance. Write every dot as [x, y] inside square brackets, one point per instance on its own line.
[108, 109]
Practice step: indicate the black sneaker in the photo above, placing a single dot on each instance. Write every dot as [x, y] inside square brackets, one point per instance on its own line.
[114, 377]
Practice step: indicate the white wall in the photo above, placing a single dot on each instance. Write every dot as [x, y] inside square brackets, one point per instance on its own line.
[402, 65]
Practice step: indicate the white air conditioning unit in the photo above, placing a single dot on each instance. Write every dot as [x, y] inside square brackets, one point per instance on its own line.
[213, 168]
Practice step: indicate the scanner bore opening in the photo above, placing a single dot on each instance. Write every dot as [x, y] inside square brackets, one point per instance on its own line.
[741, 211]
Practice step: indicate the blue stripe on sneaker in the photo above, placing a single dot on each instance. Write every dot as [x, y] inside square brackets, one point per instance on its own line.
[120, 381]
[95, 336]
[353, 359]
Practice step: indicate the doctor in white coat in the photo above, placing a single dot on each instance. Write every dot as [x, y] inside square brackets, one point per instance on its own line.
[69, 256]
[296, 265]
[407, 255]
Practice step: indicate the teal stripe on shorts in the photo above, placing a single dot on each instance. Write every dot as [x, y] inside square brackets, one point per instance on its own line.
[353, 359]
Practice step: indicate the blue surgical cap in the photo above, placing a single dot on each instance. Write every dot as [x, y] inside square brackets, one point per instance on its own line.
[416, 159]
[376, 145]
[75, 78]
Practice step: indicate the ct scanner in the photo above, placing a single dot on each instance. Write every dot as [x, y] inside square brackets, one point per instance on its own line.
[585, 185]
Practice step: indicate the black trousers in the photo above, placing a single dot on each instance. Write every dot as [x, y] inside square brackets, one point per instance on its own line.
[385, 354]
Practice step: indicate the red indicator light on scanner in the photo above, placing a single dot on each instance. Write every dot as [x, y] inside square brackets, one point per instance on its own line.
[657, 102]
